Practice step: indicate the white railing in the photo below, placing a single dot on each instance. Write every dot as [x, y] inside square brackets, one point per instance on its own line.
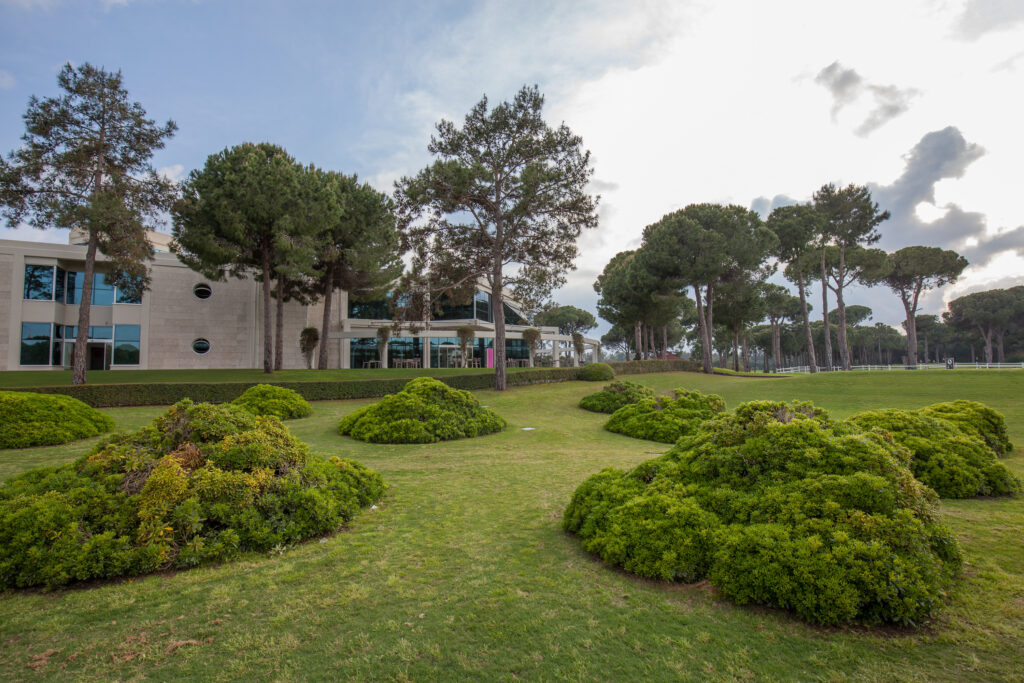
[796, 369]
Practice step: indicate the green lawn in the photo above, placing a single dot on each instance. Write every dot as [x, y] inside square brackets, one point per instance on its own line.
[464, 572]
[50, 378]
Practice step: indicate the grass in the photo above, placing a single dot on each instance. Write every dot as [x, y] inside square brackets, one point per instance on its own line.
[464, 572]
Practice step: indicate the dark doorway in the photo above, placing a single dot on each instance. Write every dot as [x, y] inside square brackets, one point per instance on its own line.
[97, 356]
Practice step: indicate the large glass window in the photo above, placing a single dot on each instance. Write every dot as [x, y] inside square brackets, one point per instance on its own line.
[482, 301]
[369, 310]
[449, 310]
[102, 291]
[516, 348]
[73, 292]
[58, 294]
[131, 294]
[362, 350]
[404, 348]
[512, 316]
[126, 344]
[444, 352]
[39, 283]
[95, 331]
[35, 343]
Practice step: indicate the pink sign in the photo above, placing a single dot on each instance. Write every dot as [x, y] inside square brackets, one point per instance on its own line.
[490, 358]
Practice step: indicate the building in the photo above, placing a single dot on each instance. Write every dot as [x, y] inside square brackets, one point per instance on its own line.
[188, 321]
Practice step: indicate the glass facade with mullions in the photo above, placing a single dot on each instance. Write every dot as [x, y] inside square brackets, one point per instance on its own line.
[39, 283]
[53, 283]
[35, 344]
[126, 344]
[362, 349]
[405, 348]
[369, 310]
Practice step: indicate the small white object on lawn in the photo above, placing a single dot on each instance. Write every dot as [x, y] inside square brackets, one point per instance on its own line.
[529, 429]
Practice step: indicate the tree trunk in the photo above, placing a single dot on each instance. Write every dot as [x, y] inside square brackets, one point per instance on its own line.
[746, 353]
[811, 360]
[79, 360]
[824, 313]
[704, 327]
[498, 296]
[776, 343]
[736, 351]
[926, 357]
[911, 341]
[650, 342]
[664, 342]
[326, 324]
[279, 328]
[636, 340]
[988, 343]
[268, 319]
[844, 347]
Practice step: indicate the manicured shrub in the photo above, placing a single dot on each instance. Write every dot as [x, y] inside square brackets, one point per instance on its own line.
[424, 412]
[975, 419]
[30, 419]
[614, 396]
[201, 484]
[945, 458]
[665, 418]
[279, 402]
[596, 372]
[778, 505]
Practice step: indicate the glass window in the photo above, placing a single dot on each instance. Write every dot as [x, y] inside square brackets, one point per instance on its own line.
[361, 350]
[126, 344]
[483, 306]
[449, 310]
[35, 343]
[444, 352]
[95, 331]
[516, 348]
[132, 294]
[512, 316]
[73, 292]
[405, 348]
[59, 289]
[369, 310]
[39, 283]
[201, 346]
[102, 291]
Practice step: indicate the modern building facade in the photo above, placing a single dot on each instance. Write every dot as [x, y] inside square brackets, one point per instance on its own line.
[188, 321]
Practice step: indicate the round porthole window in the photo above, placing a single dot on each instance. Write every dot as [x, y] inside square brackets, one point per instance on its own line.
[201, 346]
[202, 291]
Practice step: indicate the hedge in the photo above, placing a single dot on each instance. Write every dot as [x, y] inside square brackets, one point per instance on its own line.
[425, 411]
[33, 419]
[200, 484]
[779, 505]
[168, 393]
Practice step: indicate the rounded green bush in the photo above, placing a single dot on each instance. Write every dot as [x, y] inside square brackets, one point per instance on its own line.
[275, 401]
[47, 419]
[945, 458]
[665, 418]
[614, 396]
[200, 484]
[974, 419]
[778, 505]
[596, 372]
[425, 411]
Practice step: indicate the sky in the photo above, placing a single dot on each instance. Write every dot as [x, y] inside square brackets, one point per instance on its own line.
[737, 101]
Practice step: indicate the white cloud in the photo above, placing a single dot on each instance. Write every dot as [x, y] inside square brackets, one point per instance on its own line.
[717, 102]
[27, 233]
[6, 80]
[173, 172]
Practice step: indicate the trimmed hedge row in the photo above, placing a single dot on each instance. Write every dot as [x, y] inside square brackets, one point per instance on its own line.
[168, 393]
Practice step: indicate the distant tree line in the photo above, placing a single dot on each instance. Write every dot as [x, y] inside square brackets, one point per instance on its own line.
[699, 277]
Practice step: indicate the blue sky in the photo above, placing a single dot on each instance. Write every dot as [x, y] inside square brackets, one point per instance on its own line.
[737, 101]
